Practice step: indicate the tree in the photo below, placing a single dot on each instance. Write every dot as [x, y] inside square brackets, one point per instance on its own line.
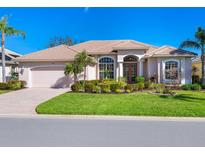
[197, 43]
[55, 41]
[6, 30]
[85, 60]
[74, 69]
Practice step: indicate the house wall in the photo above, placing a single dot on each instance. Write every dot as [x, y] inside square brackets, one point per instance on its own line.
[155, 66]
[25, 70]
[8, 72]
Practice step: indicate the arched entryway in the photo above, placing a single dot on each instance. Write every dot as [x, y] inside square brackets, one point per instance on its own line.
[130, 68]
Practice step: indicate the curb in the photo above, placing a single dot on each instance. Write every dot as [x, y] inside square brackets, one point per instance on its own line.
[103, 117]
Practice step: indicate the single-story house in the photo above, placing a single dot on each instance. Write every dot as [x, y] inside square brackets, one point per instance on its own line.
[10, 64]
[115, 58]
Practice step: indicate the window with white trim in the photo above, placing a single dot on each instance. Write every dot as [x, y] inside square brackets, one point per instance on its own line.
[106, 68]
[171, 70]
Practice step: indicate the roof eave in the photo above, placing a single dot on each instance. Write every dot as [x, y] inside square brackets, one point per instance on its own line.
[43, 60]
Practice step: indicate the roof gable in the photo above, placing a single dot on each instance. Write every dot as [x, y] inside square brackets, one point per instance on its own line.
[58, 53]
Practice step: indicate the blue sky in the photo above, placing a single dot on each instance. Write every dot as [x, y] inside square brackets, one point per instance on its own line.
[157, 26]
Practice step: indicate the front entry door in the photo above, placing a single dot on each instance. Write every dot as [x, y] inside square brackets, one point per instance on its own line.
[130, 71]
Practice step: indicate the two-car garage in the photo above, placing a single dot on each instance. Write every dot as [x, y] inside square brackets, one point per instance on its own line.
[49, 76]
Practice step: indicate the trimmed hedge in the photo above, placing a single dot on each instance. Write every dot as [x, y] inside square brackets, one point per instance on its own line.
[12, 85]
[191, 87]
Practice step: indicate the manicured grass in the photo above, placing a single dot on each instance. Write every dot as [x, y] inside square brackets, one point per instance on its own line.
[4, 91]
[185, 103]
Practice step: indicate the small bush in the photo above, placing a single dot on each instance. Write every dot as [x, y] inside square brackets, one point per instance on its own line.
[123, 79]
[76, 87]
[122, 84]
[196, 87]
[129, 87]
[118, 91]
[94, 82]
[23, 84]
[140, 86]
[14, 85]
[89, 87]
[203, 86]
[140, 79]
[105, 87]
[186, 86]
[128, 91]
[159, 87]
[3, 86]
[114, 86]
[97, 89]
[149, 85]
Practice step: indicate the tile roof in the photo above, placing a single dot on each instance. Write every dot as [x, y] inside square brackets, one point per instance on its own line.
[169, 51]
[58, 53]
[101, 47]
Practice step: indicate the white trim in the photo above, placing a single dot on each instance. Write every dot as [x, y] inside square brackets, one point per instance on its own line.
[113, 66]
[163, 68]
[29, 78]
[40, 66]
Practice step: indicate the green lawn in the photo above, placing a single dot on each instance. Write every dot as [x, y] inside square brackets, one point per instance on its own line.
[185, 103]
[4, 91]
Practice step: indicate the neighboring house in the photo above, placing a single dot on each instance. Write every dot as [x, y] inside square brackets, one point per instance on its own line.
[115, 58]
[10, 64]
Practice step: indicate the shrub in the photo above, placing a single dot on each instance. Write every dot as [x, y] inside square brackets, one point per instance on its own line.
[196, 87]
[135, 87]
[140, 79]
[114, 86]
[14, 85]
[108, 81]
[203, 86]
[89, 87]
[118, 91]
[105, 87]
[23, 84]
[149, 85]
[128, 91]
[122, 84]
[140, 86]
[3, 86]
[129, 87]
[123, 79]
[186, 86]
[76, 87]
[167, 90]
[94, 82]
[159, 87]
[97, 89]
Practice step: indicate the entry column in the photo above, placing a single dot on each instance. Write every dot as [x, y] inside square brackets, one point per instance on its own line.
[141, 67]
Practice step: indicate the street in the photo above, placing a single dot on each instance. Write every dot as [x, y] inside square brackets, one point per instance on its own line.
[99, 132]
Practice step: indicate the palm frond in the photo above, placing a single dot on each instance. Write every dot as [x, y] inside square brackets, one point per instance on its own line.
[11, 31]
[190, 44]
[200, 35]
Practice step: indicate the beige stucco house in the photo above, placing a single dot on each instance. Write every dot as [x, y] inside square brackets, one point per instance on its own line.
[115, 58]
[10, 64]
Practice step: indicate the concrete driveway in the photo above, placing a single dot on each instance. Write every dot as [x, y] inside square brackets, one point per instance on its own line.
[24, 101]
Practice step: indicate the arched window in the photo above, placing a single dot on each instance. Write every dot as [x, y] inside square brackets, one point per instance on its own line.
[130, 59]
[106, 68]
[171, 70]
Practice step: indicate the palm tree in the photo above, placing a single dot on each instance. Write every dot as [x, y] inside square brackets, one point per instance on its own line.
[74, 69]
[85, 60]
[198, 43]
[6, 30]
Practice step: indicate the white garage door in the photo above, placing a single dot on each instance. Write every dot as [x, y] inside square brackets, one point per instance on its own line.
[50, 76]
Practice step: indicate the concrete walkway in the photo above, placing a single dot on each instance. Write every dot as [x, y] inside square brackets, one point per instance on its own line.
[24, 101]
